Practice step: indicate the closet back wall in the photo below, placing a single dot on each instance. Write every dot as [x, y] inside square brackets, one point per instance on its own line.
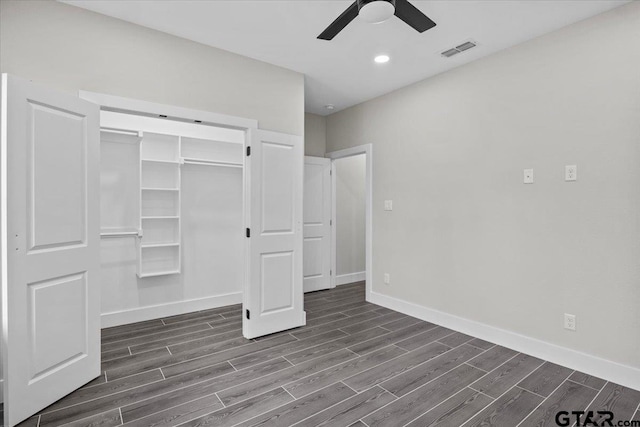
[181, 185]
[69, 48]
[212, 252]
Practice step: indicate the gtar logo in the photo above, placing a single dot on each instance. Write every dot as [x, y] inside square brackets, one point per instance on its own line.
[584, 418]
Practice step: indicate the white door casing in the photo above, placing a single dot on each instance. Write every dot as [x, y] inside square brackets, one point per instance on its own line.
[50, 245]
[273, 294]
[317, 224]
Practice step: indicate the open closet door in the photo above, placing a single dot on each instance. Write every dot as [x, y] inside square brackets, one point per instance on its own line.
[273, 298]
[50, 253]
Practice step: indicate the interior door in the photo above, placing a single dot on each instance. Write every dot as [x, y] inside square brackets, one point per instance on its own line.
[50, 253]
[273, 295]
[317, 224]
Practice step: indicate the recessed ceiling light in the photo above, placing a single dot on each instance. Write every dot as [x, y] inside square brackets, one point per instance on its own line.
[381, 59]
[329, 106]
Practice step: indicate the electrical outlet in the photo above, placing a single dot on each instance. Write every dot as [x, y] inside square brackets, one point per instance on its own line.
[571, 173]
[388, 205]
[387, 278]
[528, 176]
[570, 322]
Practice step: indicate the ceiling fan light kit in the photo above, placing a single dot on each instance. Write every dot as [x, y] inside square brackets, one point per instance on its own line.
[376, 11]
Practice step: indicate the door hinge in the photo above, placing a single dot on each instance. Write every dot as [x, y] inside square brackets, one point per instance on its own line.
[248, 150]
[330, 222]
[248, 314]
[248, 232]
[330, 272]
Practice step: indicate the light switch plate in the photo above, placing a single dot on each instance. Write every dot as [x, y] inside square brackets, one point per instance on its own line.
[388, 205]
[571, 173]
[528, 176]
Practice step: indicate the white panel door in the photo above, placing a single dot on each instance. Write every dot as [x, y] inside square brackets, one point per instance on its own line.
[50, 245]
[273, 295]
[317, 224]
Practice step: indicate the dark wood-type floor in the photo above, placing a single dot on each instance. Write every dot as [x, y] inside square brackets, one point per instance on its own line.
[354, 364]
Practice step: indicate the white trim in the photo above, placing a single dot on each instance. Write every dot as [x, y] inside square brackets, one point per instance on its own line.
[334, 229]
[367, 150]
[1, 390]
[117, 318]
[135, 106]
[627, 376]
[344, 279]
[3, 221]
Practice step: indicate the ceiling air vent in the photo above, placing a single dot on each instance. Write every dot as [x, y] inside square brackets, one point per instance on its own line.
[458, 49]
[450, 52]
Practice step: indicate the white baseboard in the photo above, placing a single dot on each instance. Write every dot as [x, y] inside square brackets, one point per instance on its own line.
[343, 279]
[627, 376]
[141, 314]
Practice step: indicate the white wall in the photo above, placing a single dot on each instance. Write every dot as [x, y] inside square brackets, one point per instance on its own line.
[70, 48]
[315, 135]
[467, 237]
[350, 218]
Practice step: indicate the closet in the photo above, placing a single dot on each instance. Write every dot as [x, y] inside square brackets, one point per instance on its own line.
[117, 210]
[172, 220]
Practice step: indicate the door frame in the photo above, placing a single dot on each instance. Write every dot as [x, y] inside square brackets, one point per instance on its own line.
[367, 150]
[180, 114]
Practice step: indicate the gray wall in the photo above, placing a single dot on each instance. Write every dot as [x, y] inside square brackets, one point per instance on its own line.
[350, 214]
[315, 135]
[466, 236]
[70, 48]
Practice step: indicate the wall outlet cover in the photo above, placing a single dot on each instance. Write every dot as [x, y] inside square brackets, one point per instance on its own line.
[571, 173]
[388, 205]
[570, 321]
[387, 278]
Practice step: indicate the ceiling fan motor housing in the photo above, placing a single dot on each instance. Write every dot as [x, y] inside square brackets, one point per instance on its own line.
[376, 11]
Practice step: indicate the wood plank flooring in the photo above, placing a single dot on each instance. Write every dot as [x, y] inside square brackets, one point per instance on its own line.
[353, 364]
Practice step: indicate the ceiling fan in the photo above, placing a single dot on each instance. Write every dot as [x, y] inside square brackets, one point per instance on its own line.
[376, 11]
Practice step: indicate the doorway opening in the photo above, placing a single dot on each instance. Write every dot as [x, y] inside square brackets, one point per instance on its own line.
[351, 216]
[349, 175]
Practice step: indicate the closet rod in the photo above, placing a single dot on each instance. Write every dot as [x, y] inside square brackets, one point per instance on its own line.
[120, 234]
[122, 131]
[211, 163]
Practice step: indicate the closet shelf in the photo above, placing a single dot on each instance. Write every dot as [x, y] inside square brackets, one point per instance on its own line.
[159, 245]
[158, 273]
[160, 217]
[159, 189]
[169, 162]
[197, 161]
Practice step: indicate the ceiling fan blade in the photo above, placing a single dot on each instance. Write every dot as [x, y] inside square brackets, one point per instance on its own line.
[412, 16]
[341, 21]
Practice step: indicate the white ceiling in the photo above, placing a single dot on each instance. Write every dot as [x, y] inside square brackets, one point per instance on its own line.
[342, 71]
